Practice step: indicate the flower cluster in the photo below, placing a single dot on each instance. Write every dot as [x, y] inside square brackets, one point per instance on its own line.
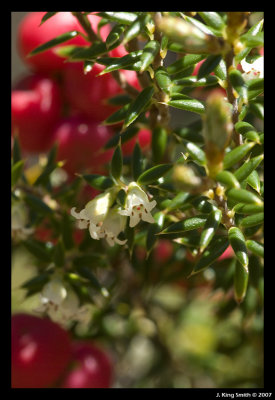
[61, 303]
[106, 221]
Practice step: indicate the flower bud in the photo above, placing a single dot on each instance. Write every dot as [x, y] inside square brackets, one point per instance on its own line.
[217, 131]
[189, 36]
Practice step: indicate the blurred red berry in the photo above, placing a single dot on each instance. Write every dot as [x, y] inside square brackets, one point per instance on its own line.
[91, 368]
[80, 143]
[31, 35]
[163, 251]
[88, 93]
[40, 351]
[35, 108]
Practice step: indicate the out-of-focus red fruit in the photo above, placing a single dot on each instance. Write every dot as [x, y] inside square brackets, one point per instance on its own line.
[92, 367]
[80, 142]
[35, 108]
[31, 35]
[88, 93]
[143, 138]
[163, 251]
[40, 351]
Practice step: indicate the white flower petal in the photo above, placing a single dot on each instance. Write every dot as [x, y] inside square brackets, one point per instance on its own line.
[134, 219]
[151, 205]
[94, 231]
[54, 291]
[82, 224]
[125, 212]
[147, 217]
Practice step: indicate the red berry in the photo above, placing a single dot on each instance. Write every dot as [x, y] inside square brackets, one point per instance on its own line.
[88, 93]
[35, 108]
[92, 367]
[31, 34]
[40, 351]
[80, 141]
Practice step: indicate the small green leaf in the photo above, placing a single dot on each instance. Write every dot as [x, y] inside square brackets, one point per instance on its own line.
[99, 182]
[211, 254]
[125, 136]
[212, 19]
[228, 179]
[252, 220]
[16, 171]
[135, 28]
[117, 116]
[59, 254]
[238, 83]
[237, 241]
[138, 105]
[210, 227]
[137, 162]
[221, 71]
[178, 201]
[193, 82]
[255, 87]
[184, 62]
[186, 225]
[254, 181]
[243, 196]
[36, 283]
[241, 208]
[150, 50]
[240, 281]
[64, 37]
[159, 142]
[203, 204]
[250, 40]
[116, 63]
[86, 273]
[114, 35]
[188, 104]
[242, 127]
[254, 30]
[153, 229]
[163, 80]
[117, 162]
[209, 65]
[248, 167]
[153, 174]
[196, 153]
[255, 247]
[89, 53]
[236, 154]
[67, 231]
[125, 18]
[47, 16]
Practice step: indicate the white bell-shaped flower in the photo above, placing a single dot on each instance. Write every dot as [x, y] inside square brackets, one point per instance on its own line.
[94, 213]
[113, 224]
[138, 205]
[253, 70]
[60, 302]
